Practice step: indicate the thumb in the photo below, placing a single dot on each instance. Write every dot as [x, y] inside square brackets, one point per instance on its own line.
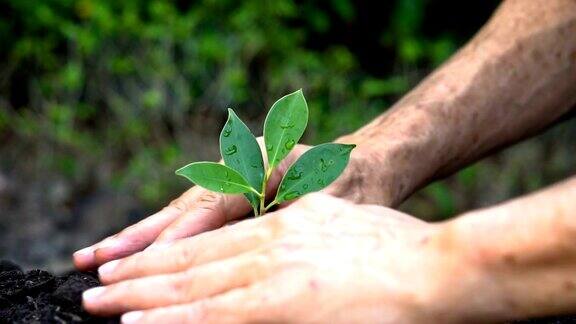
[209, 211]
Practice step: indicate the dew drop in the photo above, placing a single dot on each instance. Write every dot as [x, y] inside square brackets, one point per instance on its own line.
[232, 149]
[330, 162]
[227, 132]
[320, 182]
[286, 124]
[305, 186]
[294, 175]
[323, 165]
[269, 147]
[222, 188]
[291, 195]
[289, 144]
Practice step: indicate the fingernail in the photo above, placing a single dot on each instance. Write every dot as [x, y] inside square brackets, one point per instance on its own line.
[159, 246]
[84, 252]
[108, 268]
[131, 317]
[109, 242]
[91, 295]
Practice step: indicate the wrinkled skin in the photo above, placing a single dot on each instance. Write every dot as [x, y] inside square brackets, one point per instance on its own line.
[362, 263]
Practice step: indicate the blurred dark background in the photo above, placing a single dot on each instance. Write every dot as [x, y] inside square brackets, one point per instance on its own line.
[100, 101]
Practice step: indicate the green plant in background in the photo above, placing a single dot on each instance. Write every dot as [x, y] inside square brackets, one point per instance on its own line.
[244, 171]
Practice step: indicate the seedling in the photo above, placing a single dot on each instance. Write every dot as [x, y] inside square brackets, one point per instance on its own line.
[244, 171]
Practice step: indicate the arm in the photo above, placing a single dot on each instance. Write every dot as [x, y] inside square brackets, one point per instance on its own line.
[516, 77]
[527, 250]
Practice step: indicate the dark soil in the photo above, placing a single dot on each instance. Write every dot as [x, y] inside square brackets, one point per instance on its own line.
[37, 296]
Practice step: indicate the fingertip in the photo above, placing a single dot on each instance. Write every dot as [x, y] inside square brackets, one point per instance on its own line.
[110, 250]
[84, 259]
[106, 271]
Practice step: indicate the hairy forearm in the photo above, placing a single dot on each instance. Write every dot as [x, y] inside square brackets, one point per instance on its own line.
[525, 250]
[514, 78]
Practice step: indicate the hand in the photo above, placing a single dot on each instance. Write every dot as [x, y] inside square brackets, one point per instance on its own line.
[199, 210]
[322, 259]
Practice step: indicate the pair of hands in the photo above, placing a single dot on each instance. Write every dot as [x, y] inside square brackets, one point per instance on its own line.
[322, 259]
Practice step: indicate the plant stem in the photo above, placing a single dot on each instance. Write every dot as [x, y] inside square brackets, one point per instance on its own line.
[263, 194]
[255, 192]
[255, 208]
[270, 205]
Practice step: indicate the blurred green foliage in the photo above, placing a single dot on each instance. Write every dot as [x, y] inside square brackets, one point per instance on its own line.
[104, 92]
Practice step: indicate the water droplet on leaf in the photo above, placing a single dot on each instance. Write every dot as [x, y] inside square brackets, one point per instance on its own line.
[232, 149]
[269, 147]
[294, 175]
[286, 124]
[291, 195]
[227, 132]
[323, 165]
[289, 144]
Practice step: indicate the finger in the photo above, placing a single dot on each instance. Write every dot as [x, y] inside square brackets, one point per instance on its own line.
[212, 210]
[253, 304]
[193, 251]
[392, 216]
[130, 240]
[178, 288]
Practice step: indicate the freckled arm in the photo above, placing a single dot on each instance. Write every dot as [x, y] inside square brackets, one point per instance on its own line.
[525, 250]
[513, 79]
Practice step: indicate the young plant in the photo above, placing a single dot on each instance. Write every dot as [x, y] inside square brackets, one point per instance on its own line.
[244, 171]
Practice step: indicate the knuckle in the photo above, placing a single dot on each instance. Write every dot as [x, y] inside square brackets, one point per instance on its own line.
[178, 205]
[276, 255]
[182, 288]
[185, 257]
[278, 225]
[262, 234]
[202, 311]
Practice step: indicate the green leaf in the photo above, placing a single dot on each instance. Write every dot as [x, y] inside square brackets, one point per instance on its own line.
[216, 177]
[314, 170]
[284, 126]
[241, 152]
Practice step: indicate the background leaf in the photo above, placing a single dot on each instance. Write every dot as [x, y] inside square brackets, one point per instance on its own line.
[215, 177]
[241, 152]
[314, 170]
[284, 126]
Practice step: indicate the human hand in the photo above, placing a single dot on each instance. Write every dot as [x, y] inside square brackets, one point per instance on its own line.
[199, 210]
[322, 259]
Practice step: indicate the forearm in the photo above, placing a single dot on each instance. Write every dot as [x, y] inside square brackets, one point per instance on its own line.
[525, 250]
[517, 76]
